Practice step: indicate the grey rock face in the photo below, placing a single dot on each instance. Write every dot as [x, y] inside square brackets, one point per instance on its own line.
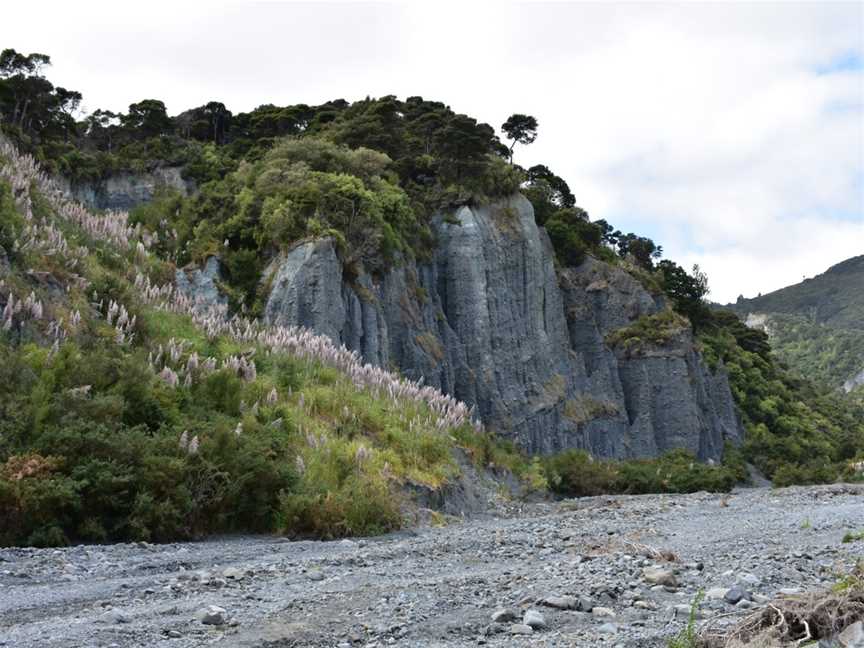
[201, 284]
[854, 382]
[127, 190]
[491, 321]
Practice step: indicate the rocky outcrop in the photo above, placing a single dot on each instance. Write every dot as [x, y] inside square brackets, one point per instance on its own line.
[201, 285]
[491, 321]
[125, 191]
[854, 382]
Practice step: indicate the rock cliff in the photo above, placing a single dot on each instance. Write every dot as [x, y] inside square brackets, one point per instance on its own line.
[491, 321]
[127, 190]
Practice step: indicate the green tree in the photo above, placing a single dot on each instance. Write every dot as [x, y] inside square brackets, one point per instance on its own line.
[687, 291]
[147, 118]
[521, 129]
[642, 249]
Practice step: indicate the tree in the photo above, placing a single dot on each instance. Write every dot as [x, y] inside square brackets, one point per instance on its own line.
[25, 88]
[522, 129]
[642, 249]
[562, 196]
[101, 128]
[207, 123]
[610, 235]
[148, 118]
[687, 291]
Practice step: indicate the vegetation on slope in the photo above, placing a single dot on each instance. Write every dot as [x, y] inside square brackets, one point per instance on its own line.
[125, 413]
[371, 174]
[823, 353]
[796, 431]
[833, 297]
[817, 326]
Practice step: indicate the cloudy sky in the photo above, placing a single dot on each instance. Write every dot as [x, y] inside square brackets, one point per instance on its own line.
[733, 134]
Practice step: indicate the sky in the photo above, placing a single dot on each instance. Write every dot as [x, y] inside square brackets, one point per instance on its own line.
[730, 133]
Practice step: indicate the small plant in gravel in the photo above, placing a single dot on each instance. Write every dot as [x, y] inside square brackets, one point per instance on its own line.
[687, 638]
[853, 536]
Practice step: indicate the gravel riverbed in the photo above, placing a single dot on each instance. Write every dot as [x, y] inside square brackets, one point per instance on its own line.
[586, 572]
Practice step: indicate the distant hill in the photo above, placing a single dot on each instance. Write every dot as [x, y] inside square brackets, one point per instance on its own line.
[817, 326]
[835, 297]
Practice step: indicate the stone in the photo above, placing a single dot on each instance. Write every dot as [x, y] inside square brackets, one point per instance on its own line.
[521, 629]
[750, 579]
[494, 628]
[852, 635]
[608, 628]
[716, 593]
[233, 573]
[659, 576]
[534, 619]
[561, 602]
[503, 615]
[213, 615]
[603, 612]
[736, 594]
[115, 615]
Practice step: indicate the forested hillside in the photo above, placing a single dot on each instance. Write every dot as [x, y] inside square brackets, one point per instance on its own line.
[817, 326]
[128, 410]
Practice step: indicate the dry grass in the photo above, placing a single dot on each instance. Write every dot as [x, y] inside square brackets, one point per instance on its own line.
[791, 621]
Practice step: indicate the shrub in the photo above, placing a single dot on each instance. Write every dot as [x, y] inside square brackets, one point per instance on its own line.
[574, 473]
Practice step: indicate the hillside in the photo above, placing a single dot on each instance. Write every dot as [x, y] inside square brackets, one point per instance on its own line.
[129, 410]
[817, 326]
[313, 315]
[834, 298]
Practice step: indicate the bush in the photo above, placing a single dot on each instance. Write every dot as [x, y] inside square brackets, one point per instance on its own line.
[574, 473]
[649, 331]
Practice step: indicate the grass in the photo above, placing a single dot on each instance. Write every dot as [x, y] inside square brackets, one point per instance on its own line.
[687, 637]
[853, 536]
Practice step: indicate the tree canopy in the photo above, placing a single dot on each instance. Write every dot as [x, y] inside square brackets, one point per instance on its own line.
[521, 129]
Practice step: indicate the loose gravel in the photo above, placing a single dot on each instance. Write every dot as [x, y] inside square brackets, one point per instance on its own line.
[616, 571]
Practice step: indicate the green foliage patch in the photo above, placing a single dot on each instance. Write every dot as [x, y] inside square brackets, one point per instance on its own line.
[575, 473]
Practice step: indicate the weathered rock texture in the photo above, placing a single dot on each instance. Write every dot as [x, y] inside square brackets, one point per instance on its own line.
[854, 382]
[127, 190]
[202, 284]
[490, 321]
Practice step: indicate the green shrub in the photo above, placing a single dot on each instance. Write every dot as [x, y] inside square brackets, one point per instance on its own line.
[649, 331]
[574, 473]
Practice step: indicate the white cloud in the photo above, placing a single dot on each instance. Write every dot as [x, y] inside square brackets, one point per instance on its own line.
[703, 125]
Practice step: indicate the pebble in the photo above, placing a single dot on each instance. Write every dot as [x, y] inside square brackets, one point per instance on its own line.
[716, 593]
[504, 615]
[659, 576]
[561, 602]
[534, 619]
[852, 635]
[736, 594]
[233, 573]
[213, 615]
